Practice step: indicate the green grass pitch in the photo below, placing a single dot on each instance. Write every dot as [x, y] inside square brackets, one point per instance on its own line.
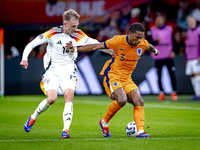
[172, 125]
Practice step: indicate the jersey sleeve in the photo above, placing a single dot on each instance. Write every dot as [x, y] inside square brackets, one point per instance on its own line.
[146, 44]
[48, 34]
[111, 43]
[30, 46]
[82, 39]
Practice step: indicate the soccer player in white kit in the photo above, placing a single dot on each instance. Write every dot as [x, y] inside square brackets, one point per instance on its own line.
[60, 67]
[192, 51]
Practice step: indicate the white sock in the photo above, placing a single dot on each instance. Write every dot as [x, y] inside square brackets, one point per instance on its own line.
[141, 131]
[196, 85]
[67, 115]
[105, 124]
[41, 108]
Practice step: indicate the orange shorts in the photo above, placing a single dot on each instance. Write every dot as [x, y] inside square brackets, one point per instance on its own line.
[113, 82]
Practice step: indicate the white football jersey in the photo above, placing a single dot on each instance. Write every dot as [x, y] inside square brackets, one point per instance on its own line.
[56, 52]
[79, 36]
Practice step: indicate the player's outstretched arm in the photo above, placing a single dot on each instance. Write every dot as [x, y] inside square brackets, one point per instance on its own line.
[85, 48]
[90, 47]
[24, 64]
[151, 48]
[29, 47]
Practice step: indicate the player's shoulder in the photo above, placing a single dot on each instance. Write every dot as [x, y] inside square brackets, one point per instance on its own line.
[53, 31]
[56, 30]
[169, 27]
[144, 43]
[77, 33]
[153, 27]
[118, 38]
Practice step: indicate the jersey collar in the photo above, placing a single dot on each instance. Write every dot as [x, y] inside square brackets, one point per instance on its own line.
[127, 40]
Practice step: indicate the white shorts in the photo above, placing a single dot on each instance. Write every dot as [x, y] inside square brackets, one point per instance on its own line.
[54, 79]
[192, 67]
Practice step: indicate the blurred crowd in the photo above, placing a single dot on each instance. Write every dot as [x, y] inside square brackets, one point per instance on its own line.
[119, 21]
[175, 13]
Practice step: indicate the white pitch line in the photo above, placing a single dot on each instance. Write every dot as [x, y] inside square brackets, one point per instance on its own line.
[145, 105]
[171, 107]
[99, 139]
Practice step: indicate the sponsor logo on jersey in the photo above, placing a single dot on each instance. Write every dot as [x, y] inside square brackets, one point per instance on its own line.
[122, 49]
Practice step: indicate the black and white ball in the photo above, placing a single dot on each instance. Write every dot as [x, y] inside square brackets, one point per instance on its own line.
[131, 129]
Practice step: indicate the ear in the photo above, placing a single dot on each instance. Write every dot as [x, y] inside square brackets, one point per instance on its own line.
[131, 34]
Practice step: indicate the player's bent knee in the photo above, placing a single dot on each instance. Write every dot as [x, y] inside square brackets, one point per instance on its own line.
[122, 102]
[139, 102]
[51, 100]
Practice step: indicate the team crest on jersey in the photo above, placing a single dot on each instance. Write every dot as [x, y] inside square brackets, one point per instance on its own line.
[41, 36]
[139, 51]
[115, 84]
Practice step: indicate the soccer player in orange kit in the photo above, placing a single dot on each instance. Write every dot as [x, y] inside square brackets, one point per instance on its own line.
[117, 75]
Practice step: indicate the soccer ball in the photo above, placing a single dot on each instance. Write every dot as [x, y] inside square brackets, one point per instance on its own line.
[131, 129]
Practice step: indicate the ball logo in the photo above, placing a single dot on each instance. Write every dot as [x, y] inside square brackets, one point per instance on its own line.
[115, 84]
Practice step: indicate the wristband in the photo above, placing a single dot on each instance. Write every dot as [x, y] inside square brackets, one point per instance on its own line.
[156, 51]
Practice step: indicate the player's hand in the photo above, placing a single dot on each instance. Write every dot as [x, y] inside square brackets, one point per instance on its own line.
[24, 64]
[156, 52]
[113, 53]
[70, 46]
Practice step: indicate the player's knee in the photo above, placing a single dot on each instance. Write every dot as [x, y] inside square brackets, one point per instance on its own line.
[51, 100]
[68, 98]
[139, 102]
[122, 102]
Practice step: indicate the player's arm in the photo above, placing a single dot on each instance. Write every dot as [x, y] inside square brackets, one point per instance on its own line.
[29, 47]
[85, 48]
[151, 48]
[94, 41]
[90, 47]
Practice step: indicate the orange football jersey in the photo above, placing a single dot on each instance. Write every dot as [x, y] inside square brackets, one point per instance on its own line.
[124, 63]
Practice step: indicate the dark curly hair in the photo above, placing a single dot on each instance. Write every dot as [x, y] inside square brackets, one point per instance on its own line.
[136, 27]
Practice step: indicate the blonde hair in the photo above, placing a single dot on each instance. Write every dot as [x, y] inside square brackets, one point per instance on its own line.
[70, 13]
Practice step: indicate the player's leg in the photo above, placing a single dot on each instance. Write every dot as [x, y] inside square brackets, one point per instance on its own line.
[119, 97]
[134, 97]
[195, 79]
[68, 85]
[192, 70]
[50, 89]
[158, 66]
[43, 106]
[196, 85]
[171, 68]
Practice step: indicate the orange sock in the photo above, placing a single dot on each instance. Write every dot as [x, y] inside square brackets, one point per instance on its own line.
[112, 110]
[138, 116]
